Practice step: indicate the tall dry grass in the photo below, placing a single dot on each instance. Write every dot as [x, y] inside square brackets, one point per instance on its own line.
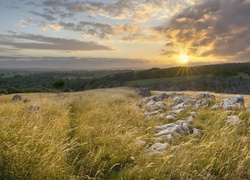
[93, 134]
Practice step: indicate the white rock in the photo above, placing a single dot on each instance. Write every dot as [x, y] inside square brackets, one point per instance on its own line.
[215, 107]
[170, 118]
[140, 142]
[232, 120]
[232, 103]
[161, 116]
[151, 113]
[190, 119]
[159, 147]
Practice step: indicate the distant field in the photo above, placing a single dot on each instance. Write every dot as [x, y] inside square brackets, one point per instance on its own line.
[147, 82]
[243, 75]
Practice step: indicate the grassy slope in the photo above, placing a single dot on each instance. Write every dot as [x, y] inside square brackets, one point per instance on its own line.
[92, 134]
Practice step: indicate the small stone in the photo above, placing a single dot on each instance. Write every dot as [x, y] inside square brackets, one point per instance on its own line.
[159, 147]
[161, 116]
[196, 131]
[190, 119]
[232, 120]
[215, 107]
[170, 118]
[140, 142]
[206, 103]
[17, 97]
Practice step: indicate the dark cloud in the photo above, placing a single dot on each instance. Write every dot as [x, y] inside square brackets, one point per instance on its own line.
[70, 63]
[212, 28]
[90, 28]
[39, 42]
[48, 17]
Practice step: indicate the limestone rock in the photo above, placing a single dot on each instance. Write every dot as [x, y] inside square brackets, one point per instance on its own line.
[170, 118]
[159, 147]
[160, 97]
[207, 96]
[215, 107]
[17, 97]
[232, 103]
[161, 116]
[144, 92]
[206, 103]
[232, 120]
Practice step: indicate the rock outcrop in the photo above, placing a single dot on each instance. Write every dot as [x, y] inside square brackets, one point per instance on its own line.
[232, 103]
[17, 97]
[168, 107]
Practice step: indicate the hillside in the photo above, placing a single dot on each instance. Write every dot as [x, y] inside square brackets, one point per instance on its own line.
[109, 134]
[221, 78]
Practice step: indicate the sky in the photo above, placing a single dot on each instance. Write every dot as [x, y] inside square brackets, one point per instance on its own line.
[112, 34]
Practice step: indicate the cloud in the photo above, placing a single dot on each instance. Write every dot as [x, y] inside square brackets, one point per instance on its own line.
[48, 17]
[218, 28]
[90, 28]
[54, 27]
[25, 22]
[38, 42]
[70, 63]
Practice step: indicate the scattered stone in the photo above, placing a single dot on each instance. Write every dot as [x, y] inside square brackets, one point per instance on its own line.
[17, 97]
[190, 119]
[197, 106]
[182, 105]
[144, 92]
[34, 108]
[140, 142]
[196, 132]
[179, 111]
[160, 97]
[170, 118]
[151, 113]
[26, 100]
[192, 113]
[215, 107]
[232, 103]
[207, 96]
[155, 107]
[232, 120]
[206, 103]
[152, 105]
[180, 129]
[159, 147]
[161, 116]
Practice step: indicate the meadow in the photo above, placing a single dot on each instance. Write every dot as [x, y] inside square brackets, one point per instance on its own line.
[94, 134]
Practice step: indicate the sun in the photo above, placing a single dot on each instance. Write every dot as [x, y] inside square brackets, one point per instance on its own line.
[183, 59]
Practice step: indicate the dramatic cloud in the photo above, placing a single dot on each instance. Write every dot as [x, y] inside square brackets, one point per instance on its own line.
[70, 63]
[90, 28]
[38, 42]
[217, 28]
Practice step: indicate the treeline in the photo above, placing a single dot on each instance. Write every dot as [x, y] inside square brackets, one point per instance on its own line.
[13, 81]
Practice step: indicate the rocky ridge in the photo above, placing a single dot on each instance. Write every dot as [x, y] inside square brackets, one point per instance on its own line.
[168, 108]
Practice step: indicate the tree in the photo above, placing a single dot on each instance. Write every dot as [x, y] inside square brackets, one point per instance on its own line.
[59, 85]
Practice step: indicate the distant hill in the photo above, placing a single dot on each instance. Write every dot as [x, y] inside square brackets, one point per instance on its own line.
[224, 78]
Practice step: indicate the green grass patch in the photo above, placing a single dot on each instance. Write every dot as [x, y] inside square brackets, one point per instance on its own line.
[148, 82]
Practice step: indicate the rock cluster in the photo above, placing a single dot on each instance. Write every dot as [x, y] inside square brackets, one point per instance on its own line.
[144, 92]
[232, 103]
[167, 107]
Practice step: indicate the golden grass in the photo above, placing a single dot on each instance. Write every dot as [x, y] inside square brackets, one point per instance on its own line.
[92, 135]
